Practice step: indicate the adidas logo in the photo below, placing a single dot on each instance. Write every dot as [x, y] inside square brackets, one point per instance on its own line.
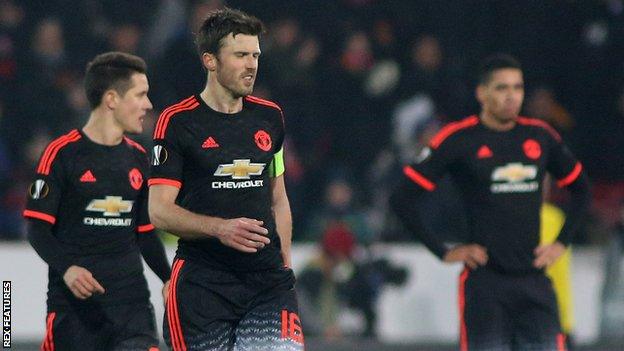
[484, 152]
[210, 143]
[87, 177]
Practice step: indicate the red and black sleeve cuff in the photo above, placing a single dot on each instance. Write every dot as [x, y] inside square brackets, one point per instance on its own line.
[418, 178]
[571, 177]
[39, 215]
[165, 181]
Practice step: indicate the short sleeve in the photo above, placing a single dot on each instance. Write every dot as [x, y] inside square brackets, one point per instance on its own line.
[431, 165]
[562, 164]
[167, 162]
[45, 191]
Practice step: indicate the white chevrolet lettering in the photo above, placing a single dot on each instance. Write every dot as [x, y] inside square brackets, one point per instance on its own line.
[239, 170]
[514, 178]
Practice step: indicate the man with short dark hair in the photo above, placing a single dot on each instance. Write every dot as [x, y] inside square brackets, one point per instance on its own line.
[498, 160]
[217, 182]
[87, 219]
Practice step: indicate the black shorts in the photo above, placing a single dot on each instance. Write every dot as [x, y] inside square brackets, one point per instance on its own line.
[125, 327]
[508, 312]
[209, 309]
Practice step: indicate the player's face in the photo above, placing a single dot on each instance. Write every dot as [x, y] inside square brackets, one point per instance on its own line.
[501, 97]
[133, 105]
[237, 64]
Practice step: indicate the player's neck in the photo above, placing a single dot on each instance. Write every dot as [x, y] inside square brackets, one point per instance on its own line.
[102, 129]
[499, 125]
[219, 99]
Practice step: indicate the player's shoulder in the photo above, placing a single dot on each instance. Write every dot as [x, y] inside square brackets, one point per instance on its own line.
[454, 129]
[259, 104]
[256, 102]
[540, 125]
[57, 148]
[135, 146]
[173, 113]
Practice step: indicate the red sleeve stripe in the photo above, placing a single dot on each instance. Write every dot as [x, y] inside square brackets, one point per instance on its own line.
[145, 228]
[570, 178]
[53, 148]
[39, 215]
[185, 105]
[418, 178]
[164, 181]
[451, 129]
[539, 123]
[264, 102]
[134, 144]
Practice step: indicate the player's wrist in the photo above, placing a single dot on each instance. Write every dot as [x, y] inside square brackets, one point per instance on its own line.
[214, 227]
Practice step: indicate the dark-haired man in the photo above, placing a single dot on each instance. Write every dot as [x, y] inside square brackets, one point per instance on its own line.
[87, 219]
[217, 183]
[498, 160]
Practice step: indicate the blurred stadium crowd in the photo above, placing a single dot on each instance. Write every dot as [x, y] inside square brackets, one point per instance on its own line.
[363, 84]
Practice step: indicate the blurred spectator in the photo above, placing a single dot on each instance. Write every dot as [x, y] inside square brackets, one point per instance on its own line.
[427, 73]
[175, 73]
[339, 209]
[125, 38]
[318, 284]
[337, 280]
[543, 104]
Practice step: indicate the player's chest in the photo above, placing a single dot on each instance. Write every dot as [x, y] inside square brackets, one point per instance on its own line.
[231, 144]
[505, 164]
[104, 175]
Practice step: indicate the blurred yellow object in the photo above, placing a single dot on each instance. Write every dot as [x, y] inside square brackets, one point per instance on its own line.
[552, 219]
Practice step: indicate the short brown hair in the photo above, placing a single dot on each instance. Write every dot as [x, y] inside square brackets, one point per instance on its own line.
[111, 70]
[221, 23]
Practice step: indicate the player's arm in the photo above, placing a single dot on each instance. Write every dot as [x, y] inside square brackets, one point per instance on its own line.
[78, 279]
[243, 234]
[570, 175]
[404, 201]
[41, 210]
[283, 216]
[47, 246]
[420, 177]
[153, 252]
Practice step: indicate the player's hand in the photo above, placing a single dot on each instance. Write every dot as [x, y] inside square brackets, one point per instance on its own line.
[545, 255]
[165, 292]
[473, 255]
[81, 282]
[243, 234]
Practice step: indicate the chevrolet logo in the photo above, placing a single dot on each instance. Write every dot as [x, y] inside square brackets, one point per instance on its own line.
[111, 206]
[514, 172]
[240, 169]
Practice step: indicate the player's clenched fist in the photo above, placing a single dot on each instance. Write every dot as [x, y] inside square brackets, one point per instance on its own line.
[243, 234]
[81, 282]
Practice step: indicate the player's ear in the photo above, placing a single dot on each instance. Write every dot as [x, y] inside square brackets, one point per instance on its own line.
[480, 93]
[110, 99]
[209, 61]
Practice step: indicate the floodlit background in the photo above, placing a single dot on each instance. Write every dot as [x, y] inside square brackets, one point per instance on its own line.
[363, 84]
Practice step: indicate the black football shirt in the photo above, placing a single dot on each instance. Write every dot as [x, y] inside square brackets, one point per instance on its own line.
[223, 165]
[499, 175]
[95, 198]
